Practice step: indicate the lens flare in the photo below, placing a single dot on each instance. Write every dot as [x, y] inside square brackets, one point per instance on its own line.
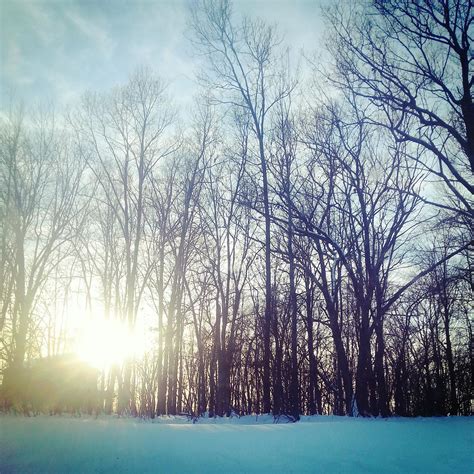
[103, 343]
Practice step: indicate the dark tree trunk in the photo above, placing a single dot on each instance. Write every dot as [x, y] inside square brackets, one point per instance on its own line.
[277, 381]
[382, 397]
[294, 394]
[312, 385]
[362, 375]
[343, 367]
[454, 408]
[268, 291]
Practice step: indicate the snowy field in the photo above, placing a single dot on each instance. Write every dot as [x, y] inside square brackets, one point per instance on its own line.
[175, 445]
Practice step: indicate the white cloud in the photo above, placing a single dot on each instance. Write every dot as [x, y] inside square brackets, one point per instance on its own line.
[94, 32]
[59, 48]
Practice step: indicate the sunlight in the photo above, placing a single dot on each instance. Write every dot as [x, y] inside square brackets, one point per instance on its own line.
[103, 343]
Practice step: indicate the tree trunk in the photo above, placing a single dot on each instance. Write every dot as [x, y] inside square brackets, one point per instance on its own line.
[382, 398]
[268, 291]
[312, 386]
[294, 394]
[362, 376]
[452, 375]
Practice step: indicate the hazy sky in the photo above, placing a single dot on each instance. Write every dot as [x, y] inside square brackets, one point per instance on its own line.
[57, 49]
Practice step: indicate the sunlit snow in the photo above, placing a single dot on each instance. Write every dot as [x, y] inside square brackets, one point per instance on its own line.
[249, 444]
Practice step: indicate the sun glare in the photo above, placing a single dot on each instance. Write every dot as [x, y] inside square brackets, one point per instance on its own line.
[103, 343]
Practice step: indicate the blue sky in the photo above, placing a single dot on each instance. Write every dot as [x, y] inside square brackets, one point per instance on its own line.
[54, 50]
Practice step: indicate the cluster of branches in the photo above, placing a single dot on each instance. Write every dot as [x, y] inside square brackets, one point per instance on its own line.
[292, 251]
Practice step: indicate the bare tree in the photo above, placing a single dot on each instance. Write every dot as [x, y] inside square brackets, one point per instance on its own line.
[414, 61]
[41, 172]
[244, 72]
[286, 141]
[227, 229]
[126, 136]
[364, 219]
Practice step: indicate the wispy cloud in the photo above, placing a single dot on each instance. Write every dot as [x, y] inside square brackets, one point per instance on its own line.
[59, 48]
[92, 31]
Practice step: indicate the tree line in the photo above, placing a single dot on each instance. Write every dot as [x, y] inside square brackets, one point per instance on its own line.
[302, 245]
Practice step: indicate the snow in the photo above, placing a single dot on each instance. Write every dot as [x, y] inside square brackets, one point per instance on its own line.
[60, 444]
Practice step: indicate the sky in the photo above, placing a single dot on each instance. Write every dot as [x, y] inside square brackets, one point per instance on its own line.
[55, 50]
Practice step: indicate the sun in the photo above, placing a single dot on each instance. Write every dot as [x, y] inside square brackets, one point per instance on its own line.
[103, 343]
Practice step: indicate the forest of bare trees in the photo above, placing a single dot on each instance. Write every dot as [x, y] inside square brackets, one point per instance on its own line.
[294, 244]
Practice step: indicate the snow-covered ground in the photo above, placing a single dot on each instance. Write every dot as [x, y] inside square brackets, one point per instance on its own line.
[176, 445]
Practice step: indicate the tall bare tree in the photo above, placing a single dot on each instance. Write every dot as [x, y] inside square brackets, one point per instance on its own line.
[245, 71]
[41, 212]
[414, 61]
[125, 135]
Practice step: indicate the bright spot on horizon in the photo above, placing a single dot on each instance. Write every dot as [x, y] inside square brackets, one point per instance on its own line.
[103, 343]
